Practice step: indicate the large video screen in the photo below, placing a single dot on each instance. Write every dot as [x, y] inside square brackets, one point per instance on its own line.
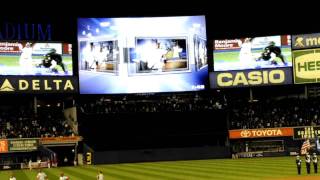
[35, 58]
[142, 55]
[252, 53]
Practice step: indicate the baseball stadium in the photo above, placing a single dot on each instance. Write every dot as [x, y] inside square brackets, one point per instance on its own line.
[99, 95]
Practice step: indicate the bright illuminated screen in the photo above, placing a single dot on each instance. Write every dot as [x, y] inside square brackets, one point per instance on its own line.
[252, 53]
[141, 55]
[35, 58]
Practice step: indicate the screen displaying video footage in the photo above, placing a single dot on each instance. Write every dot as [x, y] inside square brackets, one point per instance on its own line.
[35, 58]
[159, 55]
[252, 53]
[142, 55]
[99, 56]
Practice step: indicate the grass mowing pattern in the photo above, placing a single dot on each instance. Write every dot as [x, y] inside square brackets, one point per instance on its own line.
[224, 169]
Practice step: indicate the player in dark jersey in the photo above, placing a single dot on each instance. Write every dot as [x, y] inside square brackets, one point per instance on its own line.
[51, 60]
[270, 53]
[315, 162]
[298, 162]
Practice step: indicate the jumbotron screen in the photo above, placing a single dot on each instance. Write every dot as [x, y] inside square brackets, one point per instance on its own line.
[142, 55]
[35, 58]
[252, 53]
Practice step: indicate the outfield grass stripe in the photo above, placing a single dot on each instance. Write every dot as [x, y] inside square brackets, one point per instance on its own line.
[248, 169]
[75, 173]
[128, 175]
[57, 172]
[50, 174]
[108, 174]
[220, 169]
[94, 172]
[209, 170]
[213, 169]
[30, 174]
[196, 174]
[142, 173]
[90, 174]
[21, 175]
[165, 172]
[244, 165]
[235, 163]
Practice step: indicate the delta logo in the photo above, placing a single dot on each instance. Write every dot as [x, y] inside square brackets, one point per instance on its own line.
[13, 85]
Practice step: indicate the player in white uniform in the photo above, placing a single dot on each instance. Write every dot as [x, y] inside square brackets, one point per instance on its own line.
[25, 60]
[12, 177]
[245, 55]
[100, 176]
[63, 177]
[41, 175]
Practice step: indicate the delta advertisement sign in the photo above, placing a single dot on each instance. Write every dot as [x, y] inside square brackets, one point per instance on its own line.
[36, 84]
[260, 133]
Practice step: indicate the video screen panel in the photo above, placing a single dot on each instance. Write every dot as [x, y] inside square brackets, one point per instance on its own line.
[159, 55]
[35, 58]
[252, 53]
[142, 55]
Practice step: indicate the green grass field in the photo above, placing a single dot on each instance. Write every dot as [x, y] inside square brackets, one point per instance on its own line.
[216, 169]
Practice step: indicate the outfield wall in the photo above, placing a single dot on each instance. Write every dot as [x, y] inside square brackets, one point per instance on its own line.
[168, 154]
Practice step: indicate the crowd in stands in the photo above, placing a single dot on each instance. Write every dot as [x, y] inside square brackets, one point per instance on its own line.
[23, 122]
[157, 103]
[269, 113]
[243, 114]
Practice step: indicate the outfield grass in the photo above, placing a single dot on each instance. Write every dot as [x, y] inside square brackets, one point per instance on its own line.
[224, 169]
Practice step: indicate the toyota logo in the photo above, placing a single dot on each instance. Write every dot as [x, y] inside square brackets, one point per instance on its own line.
[245, 133]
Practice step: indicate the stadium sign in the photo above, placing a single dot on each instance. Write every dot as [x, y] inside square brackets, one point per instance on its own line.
[247, 78]
[306, 66]
[308, 132]
[305, 41]
[260, 133]
[60, 140]
[37, 84]
[26, 31]
[17, 145]
[3, 146]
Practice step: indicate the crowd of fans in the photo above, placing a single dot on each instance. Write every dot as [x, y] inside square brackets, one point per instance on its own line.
[269, 113]
[243, 114]
[23, 122]
[157, 103]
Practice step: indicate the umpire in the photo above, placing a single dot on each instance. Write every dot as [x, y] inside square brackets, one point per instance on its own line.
[315, 162]
[298, 162]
